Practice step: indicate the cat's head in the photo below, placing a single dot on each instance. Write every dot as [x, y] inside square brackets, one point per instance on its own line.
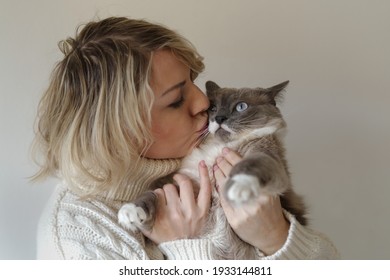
[234, 113]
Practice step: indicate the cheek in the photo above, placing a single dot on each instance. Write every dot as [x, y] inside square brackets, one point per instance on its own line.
[172, 128]
[164, 128]
[159, 131]
[160, 123]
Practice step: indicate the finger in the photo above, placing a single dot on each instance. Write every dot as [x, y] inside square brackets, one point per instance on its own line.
[204, 197]
[171, 194]
[231, 156]
[186, 189]
[160, 197]
[226, 206]
[219, 176]
[146, 232]
[224, 166]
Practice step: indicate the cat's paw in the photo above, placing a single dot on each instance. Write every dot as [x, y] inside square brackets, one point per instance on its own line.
[241, 188]
[131, 216]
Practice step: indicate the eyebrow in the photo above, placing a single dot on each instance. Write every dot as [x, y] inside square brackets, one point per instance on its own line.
[179, 85]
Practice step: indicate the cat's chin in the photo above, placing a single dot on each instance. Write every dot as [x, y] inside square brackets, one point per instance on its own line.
[223, 135]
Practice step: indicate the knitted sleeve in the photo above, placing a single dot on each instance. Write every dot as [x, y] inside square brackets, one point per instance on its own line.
[71, 228]
[187, 249]
[86, 236]
[304, 243]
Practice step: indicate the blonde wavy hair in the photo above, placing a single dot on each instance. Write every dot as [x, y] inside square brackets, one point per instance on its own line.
[94, 119]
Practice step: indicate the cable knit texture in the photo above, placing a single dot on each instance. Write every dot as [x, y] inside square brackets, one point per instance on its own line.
[73, 228]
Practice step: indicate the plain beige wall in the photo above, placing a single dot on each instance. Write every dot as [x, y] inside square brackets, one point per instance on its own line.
[336, 55]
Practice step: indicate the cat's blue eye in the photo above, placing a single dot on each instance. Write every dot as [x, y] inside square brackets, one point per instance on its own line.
[242, 106]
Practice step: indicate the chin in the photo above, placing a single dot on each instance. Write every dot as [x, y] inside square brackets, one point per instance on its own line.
[223, 135]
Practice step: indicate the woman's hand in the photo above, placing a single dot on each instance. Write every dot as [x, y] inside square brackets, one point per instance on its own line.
[261, 223]
[180, 214]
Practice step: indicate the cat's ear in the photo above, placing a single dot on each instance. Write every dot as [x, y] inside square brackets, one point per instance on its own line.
[211, 86]
[274, 92]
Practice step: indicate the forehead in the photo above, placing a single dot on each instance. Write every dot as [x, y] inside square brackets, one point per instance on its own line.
[230, 96]
[167, 70]
[164, 57]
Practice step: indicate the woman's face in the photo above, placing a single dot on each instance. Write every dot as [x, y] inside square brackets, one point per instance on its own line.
[179, 114]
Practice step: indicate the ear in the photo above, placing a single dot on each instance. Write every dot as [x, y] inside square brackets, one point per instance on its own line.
[274, 92]
[211, 86]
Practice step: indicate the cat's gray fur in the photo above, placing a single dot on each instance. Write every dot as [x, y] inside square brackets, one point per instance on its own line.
[248, 121]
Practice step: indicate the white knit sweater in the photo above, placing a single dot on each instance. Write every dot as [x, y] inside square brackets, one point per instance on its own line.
[75, 228]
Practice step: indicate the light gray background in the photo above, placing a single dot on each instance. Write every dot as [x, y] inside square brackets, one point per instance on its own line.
[335, 53]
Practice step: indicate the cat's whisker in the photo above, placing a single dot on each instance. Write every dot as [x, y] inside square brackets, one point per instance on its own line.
[251, 118]
[201, 138]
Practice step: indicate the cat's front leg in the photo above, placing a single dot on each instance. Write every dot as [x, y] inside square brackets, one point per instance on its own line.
[139, 214]
[253, 175]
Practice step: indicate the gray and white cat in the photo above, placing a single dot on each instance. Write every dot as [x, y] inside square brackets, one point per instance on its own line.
[247, 121]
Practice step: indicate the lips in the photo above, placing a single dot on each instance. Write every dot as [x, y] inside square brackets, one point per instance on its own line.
[202, 134]
[204, 127]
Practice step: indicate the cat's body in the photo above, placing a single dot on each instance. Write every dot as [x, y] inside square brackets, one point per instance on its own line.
[247, 121]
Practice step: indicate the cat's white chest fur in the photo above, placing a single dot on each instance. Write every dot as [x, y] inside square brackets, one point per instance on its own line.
[208, 152]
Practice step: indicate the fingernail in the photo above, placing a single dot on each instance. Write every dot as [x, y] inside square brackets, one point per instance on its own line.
[225, 150]
[202, 163]
[215, 167]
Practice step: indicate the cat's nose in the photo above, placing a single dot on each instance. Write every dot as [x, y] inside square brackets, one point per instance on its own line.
[220, 119]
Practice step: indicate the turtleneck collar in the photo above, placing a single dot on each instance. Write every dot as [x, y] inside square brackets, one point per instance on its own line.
[149, 170]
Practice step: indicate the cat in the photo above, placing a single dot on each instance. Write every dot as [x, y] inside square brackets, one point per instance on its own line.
[245, 120]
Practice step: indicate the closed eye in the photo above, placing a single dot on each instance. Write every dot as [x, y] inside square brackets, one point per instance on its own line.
[177, 104]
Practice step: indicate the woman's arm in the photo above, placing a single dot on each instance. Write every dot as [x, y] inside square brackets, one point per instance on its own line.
[304, 243]
[72, 228]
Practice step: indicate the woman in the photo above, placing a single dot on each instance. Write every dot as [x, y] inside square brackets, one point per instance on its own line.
[121, 110]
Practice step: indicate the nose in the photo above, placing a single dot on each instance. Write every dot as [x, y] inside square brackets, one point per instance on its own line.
[200, 103]
[220, 119]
